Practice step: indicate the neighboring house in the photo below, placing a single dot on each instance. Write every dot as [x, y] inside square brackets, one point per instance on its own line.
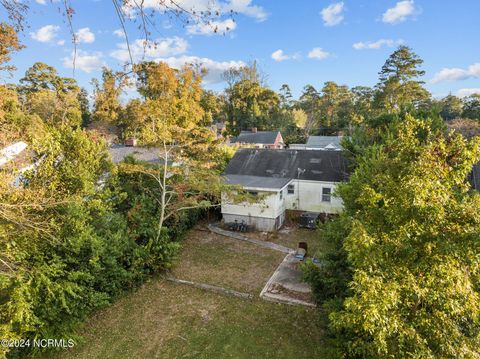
[10, 152]
[259, 139]
[324, 143]
[150, 155]
[145, 154]
[283, 180]
[17, 160]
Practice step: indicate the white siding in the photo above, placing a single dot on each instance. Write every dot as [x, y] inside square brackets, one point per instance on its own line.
[268, 213]
[308, 197]
[270, 206]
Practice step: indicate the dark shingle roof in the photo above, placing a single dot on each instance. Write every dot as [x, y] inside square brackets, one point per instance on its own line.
[328, 166]
[119, 152]
[263, 137]
[257, 182]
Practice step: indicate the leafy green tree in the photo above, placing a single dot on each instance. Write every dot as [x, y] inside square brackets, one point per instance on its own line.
[309, 102]
[249, 103]
[363, 97]
[107, 107]
[451, 107]
[171, 119]
[336, 107]
[286, 97]
[213, 107]
[44, 77]
[84, 107]
[413, 247]
[471, 108]
[9, 43]
[53, 98]
[398, 86]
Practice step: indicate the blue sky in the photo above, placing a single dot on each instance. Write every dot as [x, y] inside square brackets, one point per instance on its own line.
[295, 42]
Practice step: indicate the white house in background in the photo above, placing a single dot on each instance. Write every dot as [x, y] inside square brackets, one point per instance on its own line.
[299, 180]
[329, 143]
[10, 152]
[16, 160]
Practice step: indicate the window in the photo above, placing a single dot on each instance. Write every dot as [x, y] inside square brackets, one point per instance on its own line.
[291, 189]
[281, 194]
[253, 193]
[326, 194]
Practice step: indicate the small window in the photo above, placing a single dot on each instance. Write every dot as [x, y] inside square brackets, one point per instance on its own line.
[253, 193]
[326, 194]
[291, 189]
[281, 194]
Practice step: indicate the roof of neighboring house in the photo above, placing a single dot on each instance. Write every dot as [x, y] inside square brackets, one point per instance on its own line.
[146, 154]
[263, 137]
[475, 177]
[10, 152]
[329, 166]
[256, 181]
[326, 142]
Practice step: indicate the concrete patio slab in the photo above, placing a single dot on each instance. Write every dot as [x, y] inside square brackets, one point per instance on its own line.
[286, 285]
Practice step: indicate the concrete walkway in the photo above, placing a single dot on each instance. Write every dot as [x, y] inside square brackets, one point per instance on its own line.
[235, 235]
[286, 285]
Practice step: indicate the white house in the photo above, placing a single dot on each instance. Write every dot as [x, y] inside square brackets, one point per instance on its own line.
[300, 180]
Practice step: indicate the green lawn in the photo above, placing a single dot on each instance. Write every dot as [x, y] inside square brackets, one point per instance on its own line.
[290, 236]
[214, 259]
[168, 320]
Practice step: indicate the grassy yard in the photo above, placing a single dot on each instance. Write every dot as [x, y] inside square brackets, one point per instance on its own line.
[167, 320]
[289, 237]
[214, 259]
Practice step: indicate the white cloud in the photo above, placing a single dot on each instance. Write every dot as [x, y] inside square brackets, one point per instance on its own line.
[279, 56]
[400, 12]
[140, 49]
[332, 14]
[244, 7]
[376, 44]
[213, 27]
[84, 35]
[468, 92]
[85, 61]
[318, 54]
[46, 33]
[455, 74]
[215, 68]
[119, 33]
[61, 42]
